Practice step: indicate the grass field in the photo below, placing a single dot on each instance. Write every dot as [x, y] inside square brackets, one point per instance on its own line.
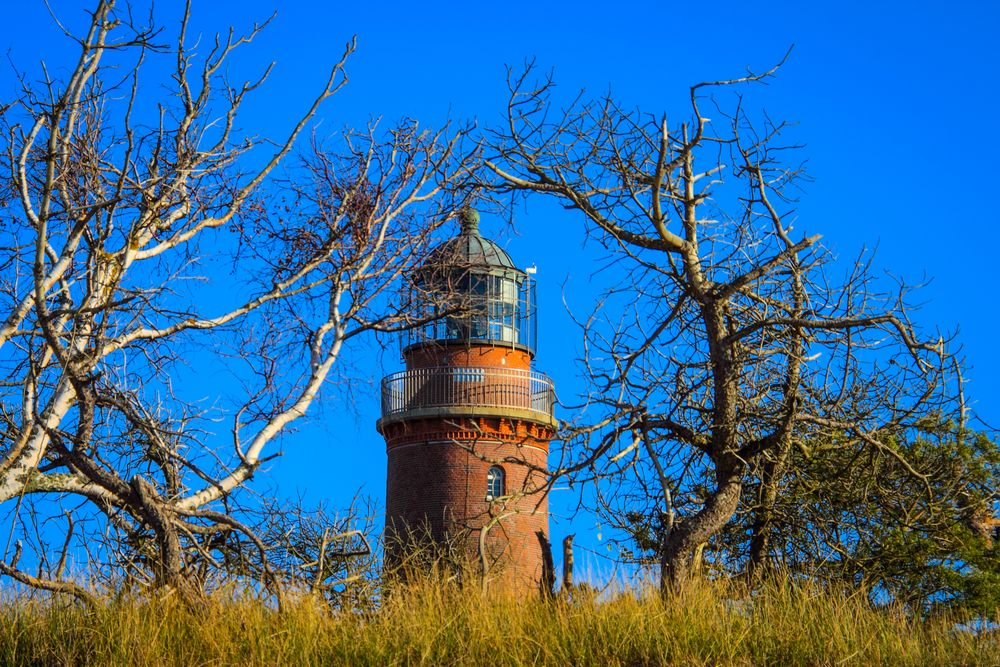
[436, 625]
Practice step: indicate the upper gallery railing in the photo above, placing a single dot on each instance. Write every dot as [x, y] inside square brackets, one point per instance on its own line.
[450, 386]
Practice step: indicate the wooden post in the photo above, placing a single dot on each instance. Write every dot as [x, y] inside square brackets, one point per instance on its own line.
[548, 582]
[567, 582]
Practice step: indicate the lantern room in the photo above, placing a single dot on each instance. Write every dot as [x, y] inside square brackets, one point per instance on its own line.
[468, 290]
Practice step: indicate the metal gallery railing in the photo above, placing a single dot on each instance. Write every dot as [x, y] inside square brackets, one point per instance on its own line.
[449, 386]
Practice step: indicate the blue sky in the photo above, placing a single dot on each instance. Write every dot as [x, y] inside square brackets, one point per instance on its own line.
[894, 101]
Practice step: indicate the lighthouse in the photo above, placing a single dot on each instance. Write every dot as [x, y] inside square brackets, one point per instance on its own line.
[467, 424]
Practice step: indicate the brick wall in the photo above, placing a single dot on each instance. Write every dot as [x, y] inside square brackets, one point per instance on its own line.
[436, 484]
[434, 354]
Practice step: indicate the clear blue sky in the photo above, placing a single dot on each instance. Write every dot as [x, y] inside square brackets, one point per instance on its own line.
[895, 102]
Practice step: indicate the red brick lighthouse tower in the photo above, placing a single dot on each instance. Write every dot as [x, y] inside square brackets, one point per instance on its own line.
[468, 423]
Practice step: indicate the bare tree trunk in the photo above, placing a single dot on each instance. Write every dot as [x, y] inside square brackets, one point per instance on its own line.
[169, 568]
[677, 566]
[760, 538]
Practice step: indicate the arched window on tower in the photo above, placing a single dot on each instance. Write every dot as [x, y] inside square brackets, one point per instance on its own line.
[494, 483]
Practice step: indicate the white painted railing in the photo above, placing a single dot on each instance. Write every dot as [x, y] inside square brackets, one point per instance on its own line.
[449, 386]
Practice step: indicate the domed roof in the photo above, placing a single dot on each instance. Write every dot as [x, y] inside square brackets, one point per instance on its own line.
[469, 249]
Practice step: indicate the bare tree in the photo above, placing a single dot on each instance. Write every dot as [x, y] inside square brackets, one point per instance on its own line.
[723, 339]
[117, 208]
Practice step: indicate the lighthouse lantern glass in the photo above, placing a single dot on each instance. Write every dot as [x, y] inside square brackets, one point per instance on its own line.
[493, 306]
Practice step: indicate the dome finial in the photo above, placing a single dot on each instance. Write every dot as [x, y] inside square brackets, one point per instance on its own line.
[470, 221]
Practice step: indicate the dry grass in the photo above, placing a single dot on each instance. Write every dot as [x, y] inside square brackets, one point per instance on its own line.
[436, 625]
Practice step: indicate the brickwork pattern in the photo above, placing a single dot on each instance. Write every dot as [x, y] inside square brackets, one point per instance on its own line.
[439, 488]
[430, 355]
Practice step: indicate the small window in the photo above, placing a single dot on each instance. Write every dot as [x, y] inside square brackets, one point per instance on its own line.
[469, 374]
[494, 483]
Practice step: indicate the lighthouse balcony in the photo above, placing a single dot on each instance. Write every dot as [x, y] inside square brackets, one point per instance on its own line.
[468, 391]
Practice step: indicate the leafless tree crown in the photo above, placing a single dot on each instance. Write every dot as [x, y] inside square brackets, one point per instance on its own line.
[143, 249]
[724, 341]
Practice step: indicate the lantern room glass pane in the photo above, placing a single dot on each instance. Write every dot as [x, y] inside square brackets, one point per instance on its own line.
[506, 290]
[477, 307]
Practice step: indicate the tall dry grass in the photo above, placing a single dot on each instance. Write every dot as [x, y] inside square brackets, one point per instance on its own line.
[429, 624]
